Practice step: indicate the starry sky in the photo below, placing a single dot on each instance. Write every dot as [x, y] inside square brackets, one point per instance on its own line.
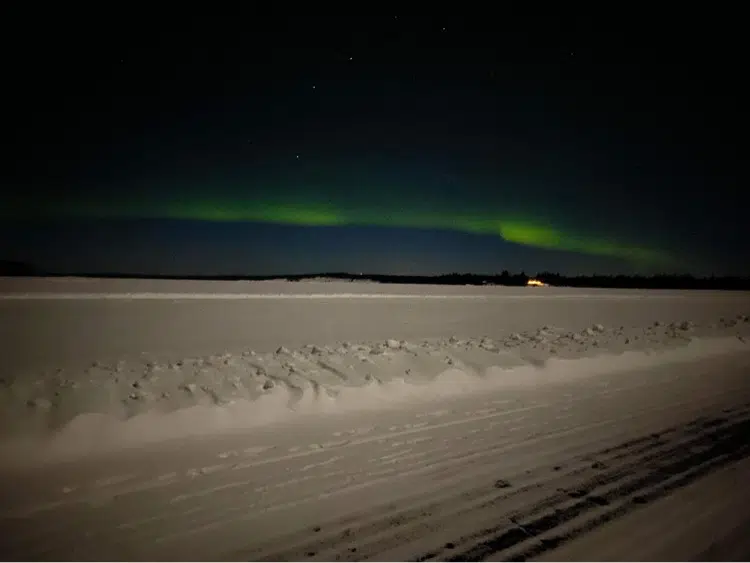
[240, 142]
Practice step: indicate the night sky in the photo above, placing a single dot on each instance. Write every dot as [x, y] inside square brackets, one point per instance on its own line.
[173, 142]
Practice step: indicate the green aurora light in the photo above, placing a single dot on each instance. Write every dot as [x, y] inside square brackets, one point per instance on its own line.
[514, 228]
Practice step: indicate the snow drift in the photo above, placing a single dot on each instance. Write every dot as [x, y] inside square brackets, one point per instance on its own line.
[136, 401]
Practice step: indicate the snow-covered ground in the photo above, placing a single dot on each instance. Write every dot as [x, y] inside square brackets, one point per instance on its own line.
[277, 420]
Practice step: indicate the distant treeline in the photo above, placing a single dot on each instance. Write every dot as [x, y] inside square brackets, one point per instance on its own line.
[664, 281]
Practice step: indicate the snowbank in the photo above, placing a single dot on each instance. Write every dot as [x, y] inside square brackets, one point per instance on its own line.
[135, 400]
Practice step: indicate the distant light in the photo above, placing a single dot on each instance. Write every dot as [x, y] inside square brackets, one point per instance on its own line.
[535, 283]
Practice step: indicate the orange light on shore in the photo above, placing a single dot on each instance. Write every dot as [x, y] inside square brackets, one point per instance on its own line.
[535, 283]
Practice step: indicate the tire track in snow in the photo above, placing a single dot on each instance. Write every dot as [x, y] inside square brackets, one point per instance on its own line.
[432, 466]
[435, 468]
[402, 527]
[550, 531]
[92, 518]
[60, 534]
[193, 511]
[601, 491]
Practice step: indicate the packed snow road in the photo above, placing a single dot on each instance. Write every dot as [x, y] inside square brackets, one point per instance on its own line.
[555, 471]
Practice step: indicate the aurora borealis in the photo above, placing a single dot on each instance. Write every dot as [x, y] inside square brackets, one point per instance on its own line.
[515, 230]
[391, 144]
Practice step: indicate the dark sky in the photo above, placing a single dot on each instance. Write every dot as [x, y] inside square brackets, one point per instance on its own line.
[179, 142]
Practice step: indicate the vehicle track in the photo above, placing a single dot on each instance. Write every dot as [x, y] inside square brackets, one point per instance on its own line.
[526, 503]
[508, 480]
